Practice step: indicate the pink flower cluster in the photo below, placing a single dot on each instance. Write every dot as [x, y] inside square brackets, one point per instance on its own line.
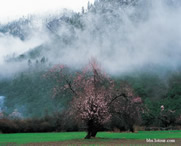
[93, 93]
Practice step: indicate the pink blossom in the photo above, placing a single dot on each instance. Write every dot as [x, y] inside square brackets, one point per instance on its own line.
[94, 94]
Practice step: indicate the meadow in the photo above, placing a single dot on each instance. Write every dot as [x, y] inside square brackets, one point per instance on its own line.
[74, 137]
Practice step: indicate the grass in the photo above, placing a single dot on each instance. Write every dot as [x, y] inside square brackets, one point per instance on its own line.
[141, 135]
[40, 137]
[22, 138]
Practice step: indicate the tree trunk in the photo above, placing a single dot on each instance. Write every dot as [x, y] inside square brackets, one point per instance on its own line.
[132, 129]
[88, 136]
[91, 133]
[91, 130]
[94, 132]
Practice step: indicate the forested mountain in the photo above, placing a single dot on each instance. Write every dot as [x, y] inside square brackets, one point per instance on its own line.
[135, 41]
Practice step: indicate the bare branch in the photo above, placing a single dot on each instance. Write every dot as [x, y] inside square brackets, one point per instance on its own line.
[120, 95]
[70, 87]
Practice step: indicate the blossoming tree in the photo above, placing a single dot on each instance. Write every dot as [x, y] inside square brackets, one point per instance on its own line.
[94, 95]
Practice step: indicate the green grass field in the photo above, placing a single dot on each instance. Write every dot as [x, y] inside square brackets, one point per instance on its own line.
[22, 138]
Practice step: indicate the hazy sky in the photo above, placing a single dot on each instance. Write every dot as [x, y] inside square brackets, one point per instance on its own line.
[10, 9]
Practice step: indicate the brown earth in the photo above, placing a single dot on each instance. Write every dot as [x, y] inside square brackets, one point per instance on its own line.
[103, 142]
[106, 142]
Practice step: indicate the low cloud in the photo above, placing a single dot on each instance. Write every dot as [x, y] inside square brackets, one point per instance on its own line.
[123, 40]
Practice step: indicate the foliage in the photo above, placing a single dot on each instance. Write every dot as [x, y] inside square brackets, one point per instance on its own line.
[169, 99]
[55, 122]
[27, 92]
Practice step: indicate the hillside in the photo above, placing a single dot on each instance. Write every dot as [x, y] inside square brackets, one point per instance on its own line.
[135, 41]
